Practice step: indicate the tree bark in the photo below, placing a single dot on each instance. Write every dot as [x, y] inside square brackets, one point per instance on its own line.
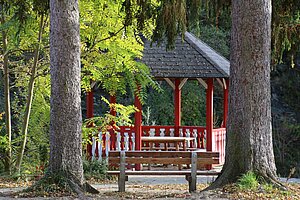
[249, 144]
[65, 119]
[8, 156]
[24, 131]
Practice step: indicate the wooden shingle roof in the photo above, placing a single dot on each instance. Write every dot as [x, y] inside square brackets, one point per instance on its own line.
[191, 58]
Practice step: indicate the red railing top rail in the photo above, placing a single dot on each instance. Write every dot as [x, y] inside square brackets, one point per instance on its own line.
[158, 126]
[219, 129]
[131, 128]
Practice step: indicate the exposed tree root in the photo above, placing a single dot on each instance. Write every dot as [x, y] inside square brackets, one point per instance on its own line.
[273, 181]
[59, 184]
[220, 182]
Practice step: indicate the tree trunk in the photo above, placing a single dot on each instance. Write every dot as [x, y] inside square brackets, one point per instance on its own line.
[65, 119]
[29, 97]
[8, 154]
[249, 144]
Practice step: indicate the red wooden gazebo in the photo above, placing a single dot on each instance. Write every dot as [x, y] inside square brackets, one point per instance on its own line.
[191, 59]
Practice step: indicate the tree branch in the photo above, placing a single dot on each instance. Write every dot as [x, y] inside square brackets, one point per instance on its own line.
[112, 35]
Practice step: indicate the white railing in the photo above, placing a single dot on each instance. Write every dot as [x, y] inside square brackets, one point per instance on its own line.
[124, 138]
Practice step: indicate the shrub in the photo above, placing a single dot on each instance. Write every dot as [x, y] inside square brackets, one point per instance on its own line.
[95, 169]
[248, 181]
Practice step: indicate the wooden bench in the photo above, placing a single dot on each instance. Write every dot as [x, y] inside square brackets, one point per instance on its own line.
[192, 158]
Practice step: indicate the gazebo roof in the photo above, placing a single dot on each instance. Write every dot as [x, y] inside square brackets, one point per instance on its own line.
[191, 58]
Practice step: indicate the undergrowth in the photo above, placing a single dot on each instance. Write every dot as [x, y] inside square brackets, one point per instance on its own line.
[248, 181]
[50, 185]
[251, 186]
[95, 169]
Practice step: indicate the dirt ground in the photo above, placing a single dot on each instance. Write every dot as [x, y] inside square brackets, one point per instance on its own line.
[160, 187]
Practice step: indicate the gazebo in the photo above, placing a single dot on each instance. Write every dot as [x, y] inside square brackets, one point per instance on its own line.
[191, 59]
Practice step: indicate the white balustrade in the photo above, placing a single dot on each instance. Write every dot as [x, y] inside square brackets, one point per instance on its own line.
[180, 132]
[162, 134]
[188, 134]
[126, 141]
[172, 132]
[152, 132]
[103, 147]
[118, 141]
[195, 135]
[133, 141]
[93, 148]
[100, 146]
[107, 144]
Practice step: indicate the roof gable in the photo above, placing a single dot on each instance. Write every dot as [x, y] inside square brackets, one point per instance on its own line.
[191, 58]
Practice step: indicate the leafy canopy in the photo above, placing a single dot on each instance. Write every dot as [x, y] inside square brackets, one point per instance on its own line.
[112, 46]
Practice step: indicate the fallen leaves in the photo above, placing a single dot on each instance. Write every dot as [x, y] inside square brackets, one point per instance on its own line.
[168, 191]
[12, 183]
[233, 192]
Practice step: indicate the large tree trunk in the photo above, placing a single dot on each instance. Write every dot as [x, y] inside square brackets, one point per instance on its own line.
[65, 119]
[8, 153]
[249, 144]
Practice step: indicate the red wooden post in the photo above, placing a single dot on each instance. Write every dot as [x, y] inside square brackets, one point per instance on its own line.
[113, 137]
[225, 112]
[113, 100]
[89, 114]
[138, 126]
[177, 105]
[209, 113]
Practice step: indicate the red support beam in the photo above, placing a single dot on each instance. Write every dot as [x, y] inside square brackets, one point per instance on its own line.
[209, 113]
[89, 114]
[113, 137]
[138, 126]
[177, 105]
[113, 100]
[225, 111]
[90, 104]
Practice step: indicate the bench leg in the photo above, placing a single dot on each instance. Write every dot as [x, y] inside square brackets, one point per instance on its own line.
[122, 177]
[192, 183]
[121, 184]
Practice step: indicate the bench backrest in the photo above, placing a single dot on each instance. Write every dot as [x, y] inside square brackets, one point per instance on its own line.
[163, 157]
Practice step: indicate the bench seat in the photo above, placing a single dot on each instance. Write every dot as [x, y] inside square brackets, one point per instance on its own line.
[163, 172]
[193, 158]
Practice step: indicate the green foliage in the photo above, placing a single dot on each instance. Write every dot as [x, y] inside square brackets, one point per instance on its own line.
[93, 125]
[286, 129]
[95, 169]
[286, 143]
[160, 105]
[51, 184]
[110, 48]
[193, 104]
[2, 138]
[286, 30]
[217, 38]
[22, 27]
[171, 20]
[268, 187]
[3, 142]
[248, 181]
[285, 24]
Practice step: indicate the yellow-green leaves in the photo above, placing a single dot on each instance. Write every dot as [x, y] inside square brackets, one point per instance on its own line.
[111, 47]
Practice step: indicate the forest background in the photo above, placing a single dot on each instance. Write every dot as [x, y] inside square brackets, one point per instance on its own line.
[110, 44]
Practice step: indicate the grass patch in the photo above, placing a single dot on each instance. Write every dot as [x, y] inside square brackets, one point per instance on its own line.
[248, 181]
